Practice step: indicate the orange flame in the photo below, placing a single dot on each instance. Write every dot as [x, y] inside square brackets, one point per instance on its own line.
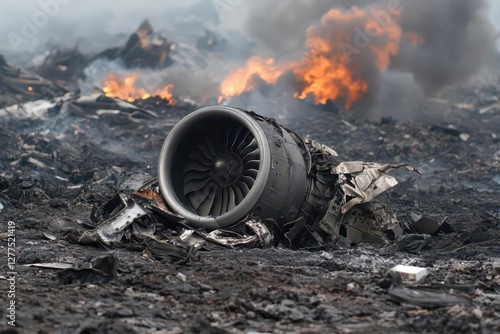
[414, 38]
[325, 71]
[125, 88]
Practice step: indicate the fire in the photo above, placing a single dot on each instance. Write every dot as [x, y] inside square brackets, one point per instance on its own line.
[240, 80]
[414, 38]
[329, 69]
[125, 88]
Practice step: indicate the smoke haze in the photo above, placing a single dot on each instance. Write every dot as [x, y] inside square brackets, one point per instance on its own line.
[442, 42]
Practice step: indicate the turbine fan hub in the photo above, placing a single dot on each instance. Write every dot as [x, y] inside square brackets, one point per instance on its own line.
[227, 169]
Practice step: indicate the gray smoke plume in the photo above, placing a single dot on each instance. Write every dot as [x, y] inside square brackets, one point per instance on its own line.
[457, 41]
[457, 34]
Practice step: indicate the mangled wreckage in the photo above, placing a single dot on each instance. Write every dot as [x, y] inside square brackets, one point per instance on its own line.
[232, 177]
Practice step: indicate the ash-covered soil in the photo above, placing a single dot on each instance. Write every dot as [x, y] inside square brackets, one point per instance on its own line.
[54, 169]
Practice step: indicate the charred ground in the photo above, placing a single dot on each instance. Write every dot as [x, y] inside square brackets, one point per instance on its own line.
[56, 168]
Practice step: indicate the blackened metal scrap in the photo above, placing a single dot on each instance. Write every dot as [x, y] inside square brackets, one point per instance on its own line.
[99, 104]
[142, 49]
[97, 270]
[412, 243]
[113, 229]
[426, 298]
[423, 297]
[144, 219]
[168, 249]
[360, 226]
[150, 198]
[20, 85]
[63, 66]
[425, 225]
[346, 185]
[255, 234]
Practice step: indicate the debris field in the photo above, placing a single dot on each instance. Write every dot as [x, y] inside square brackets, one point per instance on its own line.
[71, 162]
[58, 166]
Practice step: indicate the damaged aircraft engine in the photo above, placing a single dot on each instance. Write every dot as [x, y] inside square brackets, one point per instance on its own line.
[220, 166]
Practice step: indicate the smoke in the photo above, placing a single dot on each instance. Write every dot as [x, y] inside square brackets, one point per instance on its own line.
[458, 37]
[441, 43]
[27, 26]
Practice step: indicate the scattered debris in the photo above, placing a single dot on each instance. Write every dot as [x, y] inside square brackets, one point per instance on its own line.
[64, 67]
[19, 85]
[112, 230]
[142, 49]
[426, 298]
[426, 225]
[49, 236]
[100, 269]
[413, 243]
[59, 265]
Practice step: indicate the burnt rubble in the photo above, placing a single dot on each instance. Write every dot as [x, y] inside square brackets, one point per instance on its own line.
[143, 48]
[64, 165]
[19, 85]
[65, 67]
[98, 248]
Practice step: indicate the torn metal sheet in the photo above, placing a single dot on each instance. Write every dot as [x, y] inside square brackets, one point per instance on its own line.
[257, 234]
[97, 270]
[54, 265]
[412, 243]
[426, 225]
[365, 180]
[426, 298]
[113, 229]
[169, 249]
[150, 197]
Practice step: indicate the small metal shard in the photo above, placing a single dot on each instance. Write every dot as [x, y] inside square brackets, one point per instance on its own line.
[425, 298]
[55, 265]
[97, 270]
[257, 235]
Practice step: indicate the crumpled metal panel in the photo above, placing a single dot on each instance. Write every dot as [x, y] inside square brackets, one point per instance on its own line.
[365, 180]
[113, 229]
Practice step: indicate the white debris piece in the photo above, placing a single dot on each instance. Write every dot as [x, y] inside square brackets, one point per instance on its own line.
[34, 109]
[410, 273]
[464, 136]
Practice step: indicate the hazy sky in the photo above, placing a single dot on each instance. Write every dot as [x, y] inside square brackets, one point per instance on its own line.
[99, 17]
[495, 13]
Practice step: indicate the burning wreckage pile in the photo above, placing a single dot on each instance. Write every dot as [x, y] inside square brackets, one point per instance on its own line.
[230, 178]
[239, 188]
